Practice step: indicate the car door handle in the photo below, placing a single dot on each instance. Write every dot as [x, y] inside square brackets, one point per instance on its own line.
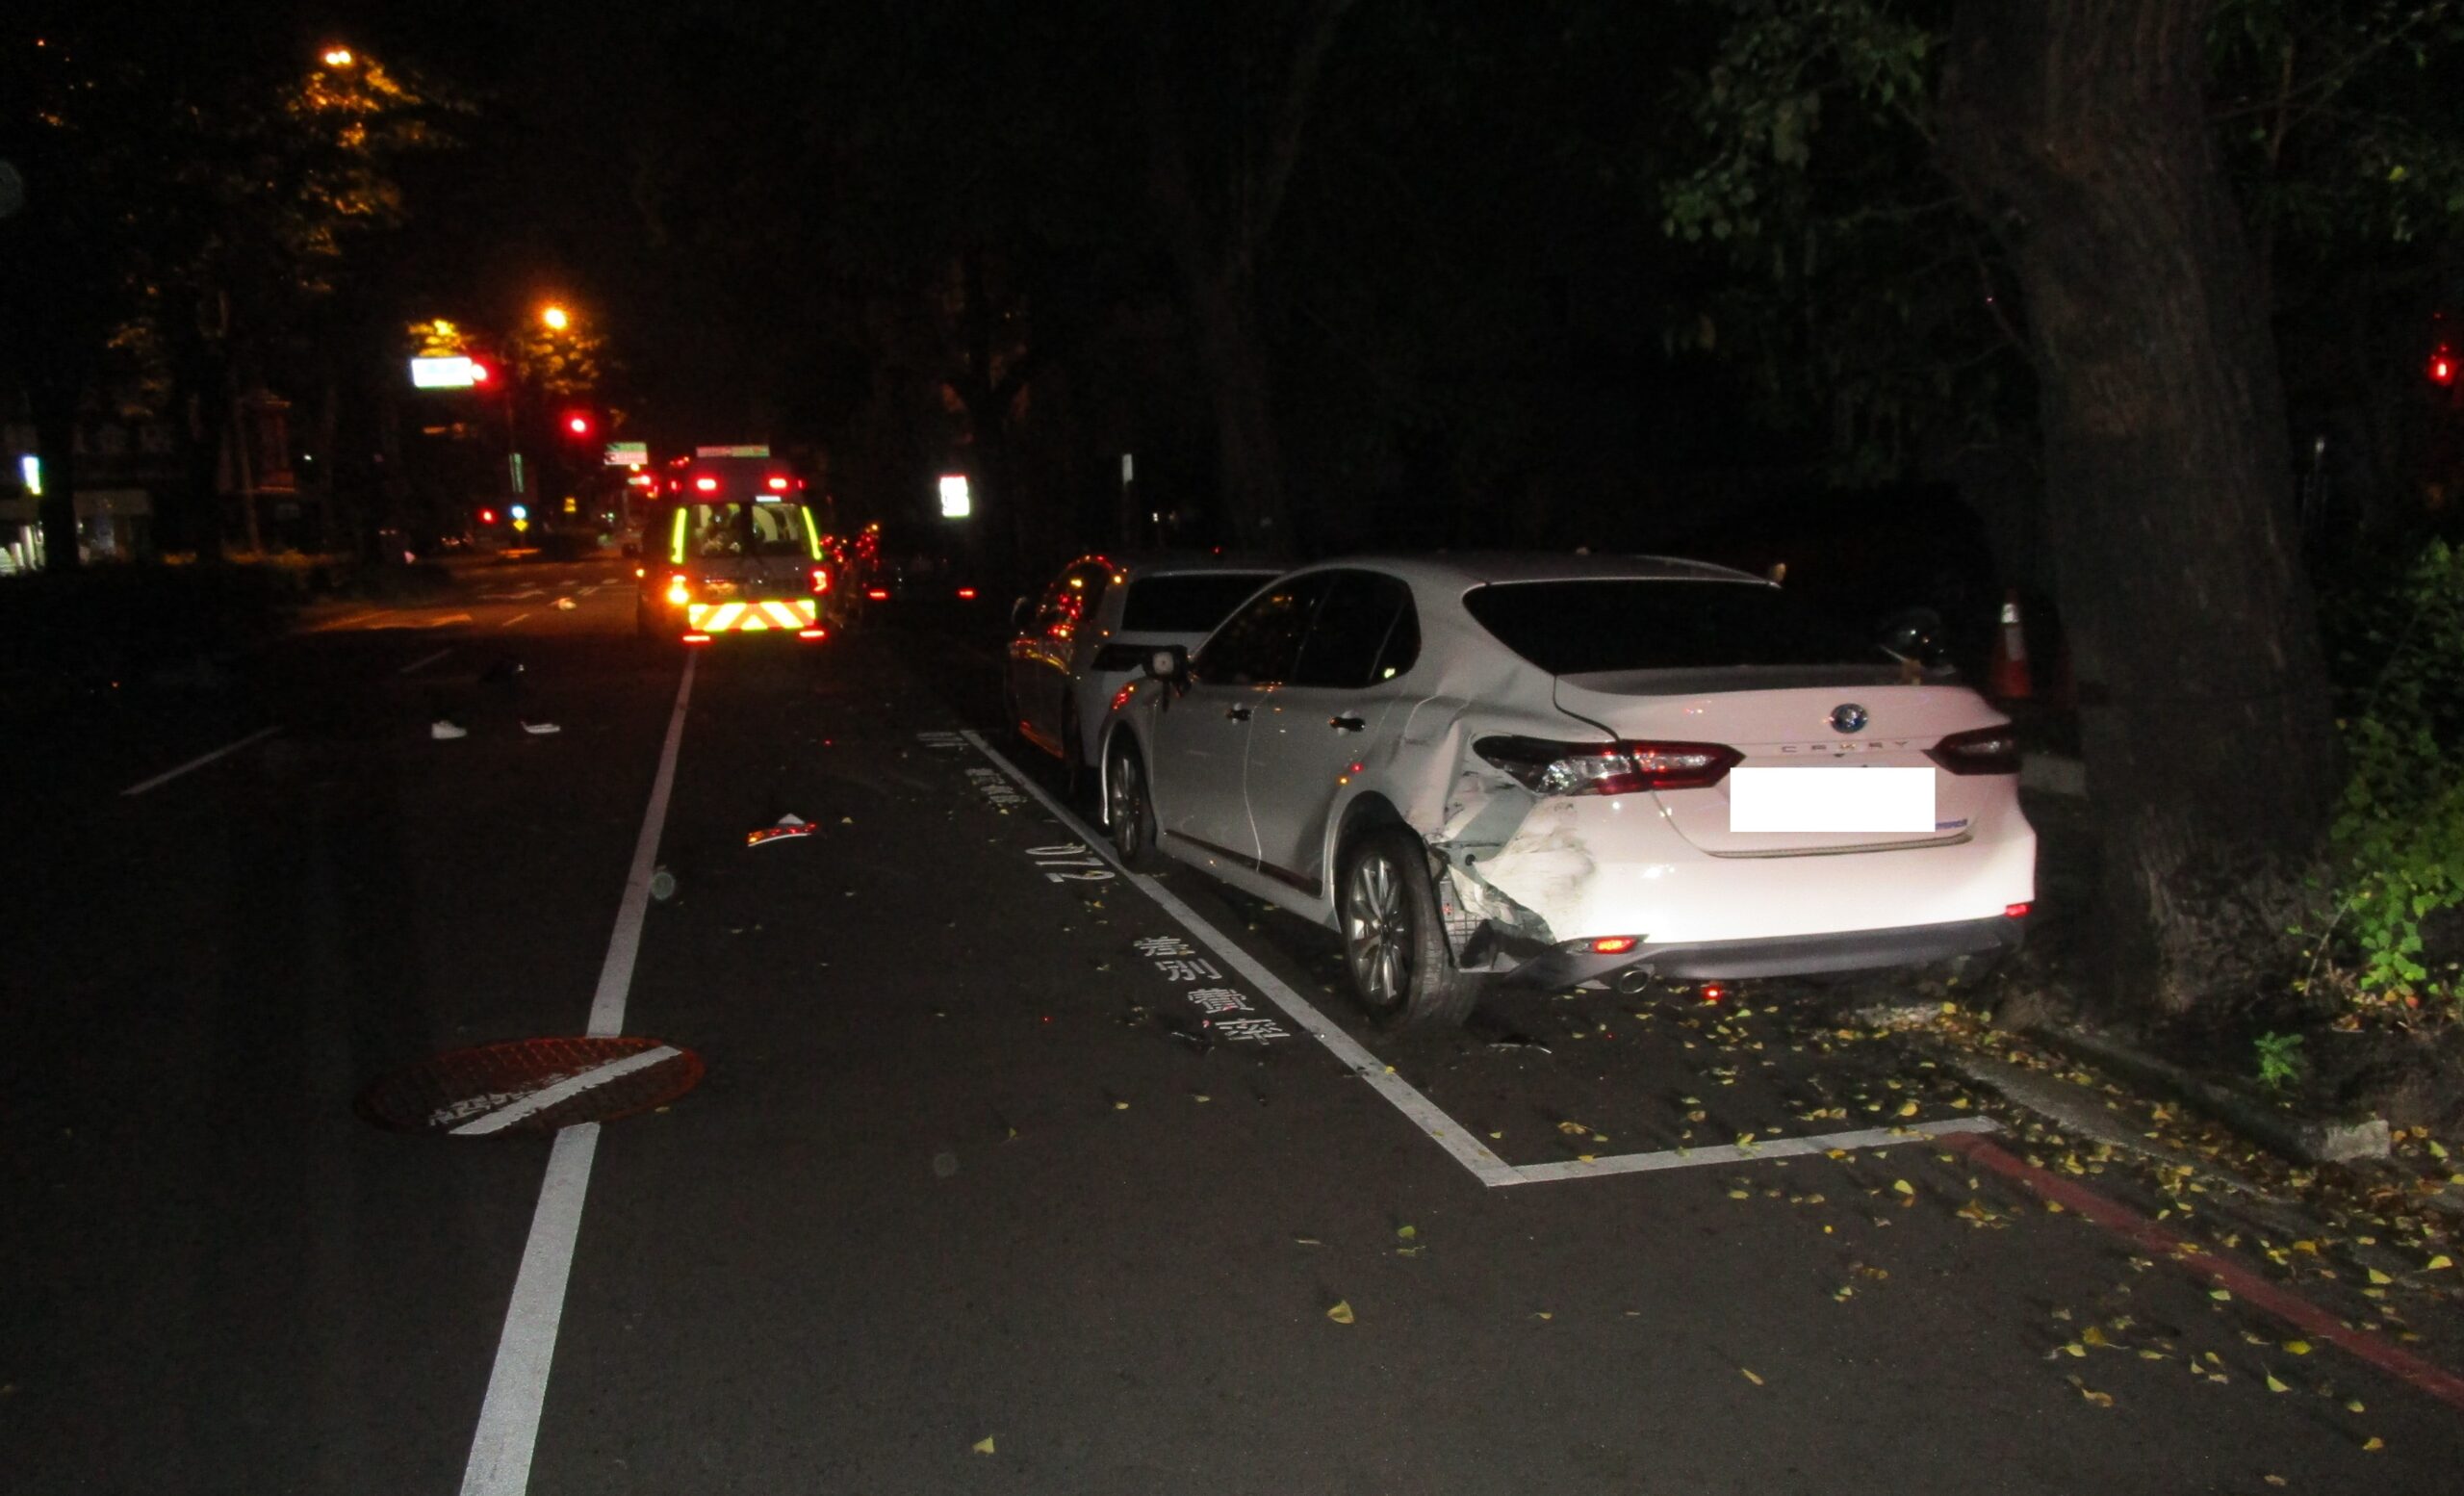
[1346, 724]
[1236, 714]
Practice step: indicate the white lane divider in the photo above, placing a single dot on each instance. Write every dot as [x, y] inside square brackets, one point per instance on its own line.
[200, 761]
[508, 1430]
[1458, 1141]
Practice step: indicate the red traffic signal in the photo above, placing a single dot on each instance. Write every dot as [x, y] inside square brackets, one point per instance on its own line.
[578, 423]
[2442, 367]
[487, 516]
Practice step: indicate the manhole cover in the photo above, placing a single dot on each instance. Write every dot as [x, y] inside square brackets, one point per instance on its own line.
[532, 1085]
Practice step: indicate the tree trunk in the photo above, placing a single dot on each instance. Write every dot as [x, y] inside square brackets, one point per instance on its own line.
[2077, 127]
[1248, 458]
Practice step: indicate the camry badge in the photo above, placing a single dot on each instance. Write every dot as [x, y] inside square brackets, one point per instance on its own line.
[1847, 718]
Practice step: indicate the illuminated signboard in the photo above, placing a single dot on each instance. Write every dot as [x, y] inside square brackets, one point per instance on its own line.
[957, 503]
[628, 454]
[454, 373]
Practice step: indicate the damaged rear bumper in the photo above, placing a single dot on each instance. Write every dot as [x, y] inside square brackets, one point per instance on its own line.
[1788, 955]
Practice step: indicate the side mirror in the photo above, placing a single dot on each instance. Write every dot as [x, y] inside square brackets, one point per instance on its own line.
[1168, 663]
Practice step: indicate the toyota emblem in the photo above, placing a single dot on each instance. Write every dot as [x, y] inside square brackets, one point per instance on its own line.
[1847, 718]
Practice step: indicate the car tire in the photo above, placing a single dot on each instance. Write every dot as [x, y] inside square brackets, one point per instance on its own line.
[1403, 970]
[1129, 807]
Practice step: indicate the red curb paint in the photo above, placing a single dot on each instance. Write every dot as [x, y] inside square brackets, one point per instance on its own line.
[2201, 1261]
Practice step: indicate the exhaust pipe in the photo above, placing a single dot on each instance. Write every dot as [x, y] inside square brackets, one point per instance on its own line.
[1634, 982]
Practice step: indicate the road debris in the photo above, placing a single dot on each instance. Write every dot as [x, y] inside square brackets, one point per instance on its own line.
[446, 727]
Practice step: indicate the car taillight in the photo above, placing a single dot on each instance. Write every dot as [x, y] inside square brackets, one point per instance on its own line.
[679, 589]
[1984, 750]
[1553, 768]
[1614, 945]
[967, 594]
[708, 485]
[877, 594]
[1121, 656]
[820, 579]
[778, 485]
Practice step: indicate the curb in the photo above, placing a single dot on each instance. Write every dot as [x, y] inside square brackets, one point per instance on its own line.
[2303, 1139]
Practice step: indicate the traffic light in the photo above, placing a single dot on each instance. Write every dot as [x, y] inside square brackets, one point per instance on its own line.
[579, 424]
[2442, 367]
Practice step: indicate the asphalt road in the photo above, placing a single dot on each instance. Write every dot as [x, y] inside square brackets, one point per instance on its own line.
[974, 1194]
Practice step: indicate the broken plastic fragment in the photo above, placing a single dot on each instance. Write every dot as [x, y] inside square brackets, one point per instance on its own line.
[447, 728]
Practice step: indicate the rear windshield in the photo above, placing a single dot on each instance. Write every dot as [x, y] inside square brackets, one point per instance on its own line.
[711, 530]
[1192, 604]
[1574, 628]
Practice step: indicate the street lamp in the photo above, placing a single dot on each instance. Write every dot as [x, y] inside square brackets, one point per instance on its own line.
[339, 56]
[554, 318]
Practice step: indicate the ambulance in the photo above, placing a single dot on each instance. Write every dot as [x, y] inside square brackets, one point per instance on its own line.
[730, 549]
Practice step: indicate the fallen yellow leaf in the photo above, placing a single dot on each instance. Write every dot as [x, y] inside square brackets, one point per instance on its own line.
[2442, 1260]
[2094, 1336]
[984, 1445]
[1749, 1376]
[1901, 1187]
[2377, 1276]
[2297, 1348]
[1341, 1313]
[2373, 1444]
[2275, 1385]
[1908, 1109]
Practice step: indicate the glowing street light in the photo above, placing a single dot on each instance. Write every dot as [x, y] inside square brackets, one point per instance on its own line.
[555, 318]
[339, 56]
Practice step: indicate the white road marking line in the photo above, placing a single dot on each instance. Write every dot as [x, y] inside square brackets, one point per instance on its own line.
[1448, 1134]
[1744, 1152]
[515, 619]
[1444, 1130]
[200, 761]
[564, 1091]
[508, 1430]
[425, 660]
[616, 977]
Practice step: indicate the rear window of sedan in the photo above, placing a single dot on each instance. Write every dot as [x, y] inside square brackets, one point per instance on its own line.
[1191, 602]
[1576, 627]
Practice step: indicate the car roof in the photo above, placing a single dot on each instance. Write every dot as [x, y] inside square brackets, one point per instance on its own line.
[1477, 568]
[1158, 563]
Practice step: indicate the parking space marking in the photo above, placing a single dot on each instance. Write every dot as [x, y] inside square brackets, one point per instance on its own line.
[508, 1430]
[1746, 1152]
[1441, 1129]
[425, 660]
[198, 762]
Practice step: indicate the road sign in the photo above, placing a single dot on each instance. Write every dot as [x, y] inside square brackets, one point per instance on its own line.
[628, 454]
[452, 373]
[751, 450]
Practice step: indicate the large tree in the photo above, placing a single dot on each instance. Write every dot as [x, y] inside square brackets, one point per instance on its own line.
[2038, 198]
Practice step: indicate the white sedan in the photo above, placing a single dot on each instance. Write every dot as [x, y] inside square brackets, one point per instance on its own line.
[1574, 769]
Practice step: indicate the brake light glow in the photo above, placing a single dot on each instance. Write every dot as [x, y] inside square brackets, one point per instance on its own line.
[2015, 910]
[778, 485]
[812, 634]
[1614, 945]
[1984, 750]
[820, 576]
[1713, 992]
[967, 593]
[1553, 768]
[679, 589]
[708, 485]
[697, 638]
[877, 594]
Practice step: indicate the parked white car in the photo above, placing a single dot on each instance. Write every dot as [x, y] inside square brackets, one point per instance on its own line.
[1573, 770]
[1074, 645]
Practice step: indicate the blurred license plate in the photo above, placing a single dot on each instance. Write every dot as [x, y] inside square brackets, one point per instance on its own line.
[1831, 800]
